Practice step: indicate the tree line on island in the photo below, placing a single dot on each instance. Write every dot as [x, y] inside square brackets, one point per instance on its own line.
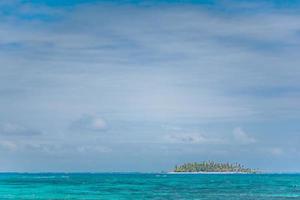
[211, 166]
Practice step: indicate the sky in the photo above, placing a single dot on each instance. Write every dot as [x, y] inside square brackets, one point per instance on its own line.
[140, 86]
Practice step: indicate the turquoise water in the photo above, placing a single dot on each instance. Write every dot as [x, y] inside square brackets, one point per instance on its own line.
[149, 186]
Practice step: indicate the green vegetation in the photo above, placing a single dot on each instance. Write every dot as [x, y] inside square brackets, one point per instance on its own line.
[211, 166]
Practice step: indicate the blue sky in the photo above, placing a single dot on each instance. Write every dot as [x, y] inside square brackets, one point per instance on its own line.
[143, 85]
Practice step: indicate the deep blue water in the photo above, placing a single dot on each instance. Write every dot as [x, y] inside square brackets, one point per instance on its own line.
[149, 186]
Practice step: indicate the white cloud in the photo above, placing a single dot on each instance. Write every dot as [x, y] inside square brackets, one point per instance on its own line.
[93, 149]
[98, 124]
[276, 151]
[8, 145]
[241, 137]
[12, 129]
[89, 123]
[185, 138]
[191, 138]
[238, 137]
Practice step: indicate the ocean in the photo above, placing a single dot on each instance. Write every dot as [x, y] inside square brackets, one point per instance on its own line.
[136, 186]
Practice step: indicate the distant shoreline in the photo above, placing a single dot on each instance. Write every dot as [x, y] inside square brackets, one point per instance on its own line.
[210, 173]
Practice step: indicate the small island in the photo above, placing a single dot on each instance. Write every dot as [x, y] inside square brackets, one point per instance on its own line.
[212, 167]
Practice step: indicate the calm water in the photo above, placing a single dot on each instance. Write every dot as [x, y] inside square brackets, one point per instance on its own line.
[149, 186]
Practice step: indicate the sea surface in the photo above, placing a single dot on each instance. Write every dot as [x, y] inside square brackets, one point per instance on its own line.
[136, 186]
